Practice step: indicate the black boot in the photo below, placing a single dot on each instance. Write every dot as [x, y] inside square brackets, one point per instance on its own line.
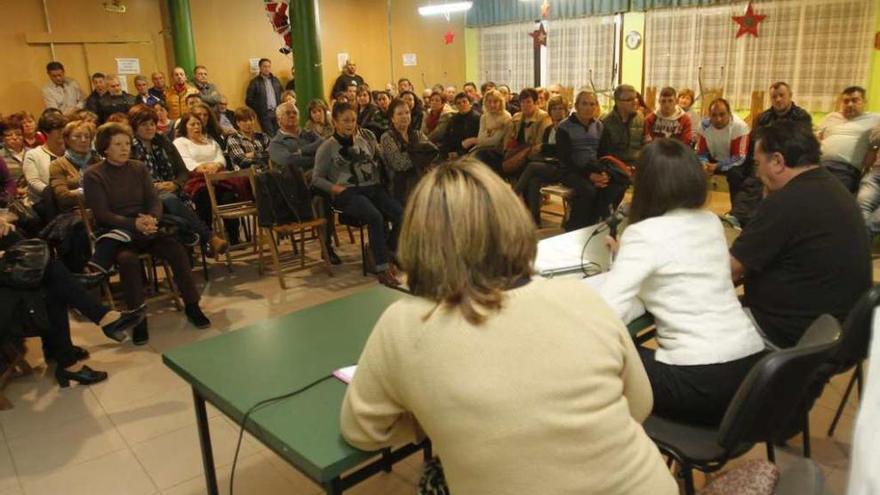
[85, 376]
[195, 316]
[117, 330]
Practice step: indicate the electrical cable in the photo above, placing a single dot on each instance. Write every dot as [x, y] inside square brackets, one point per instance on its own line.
[254, 408]
[595, 268]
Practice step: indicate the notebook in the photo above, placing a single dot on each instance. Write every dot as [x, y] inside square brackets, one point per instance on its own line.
[345, 374]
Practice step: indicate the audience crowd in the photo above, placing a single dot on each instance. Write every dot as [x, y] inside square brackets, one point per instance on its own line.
[806, 200]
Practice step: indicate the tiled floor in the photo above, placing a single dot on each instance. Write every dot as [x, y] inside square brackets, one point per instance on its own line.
[135, 433]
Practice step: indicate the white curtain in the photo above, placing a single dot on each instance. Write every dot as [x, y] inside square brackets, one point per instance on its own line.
[576, 46]
[817, 46]
[506, 55]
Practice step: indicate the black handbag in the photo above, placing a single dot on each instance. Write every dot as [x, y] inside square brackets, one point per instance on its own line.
[24, 264]
[25, 212]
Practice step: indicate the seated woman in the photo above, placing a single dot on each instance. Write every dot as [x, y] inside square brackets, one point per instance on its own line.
[123, 200]
[32, 135]
[347, 167]
[488, 146]
[8, 187]
[164, 125]
[673, 257]
[59, 291]
[65, 180]
[437, 117]
[169, 175]
[210, 126]
[405, 151]
[248, 147]
[416, 108]
[36, 161]
[543, 168]
[374, 117]
[319, 118]
[13, 148]
[525, 134]
[65, 173]
[202, 155]
[491, 363]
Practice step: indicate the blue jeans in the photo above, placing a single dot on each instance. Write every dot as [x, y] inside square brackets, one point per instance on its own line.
[375, 208]
[869, 201]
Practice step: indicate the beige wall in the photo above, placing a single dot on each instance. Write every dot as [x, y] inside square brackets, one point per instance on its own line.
[85, 27]
[227, 34]
[360, 28]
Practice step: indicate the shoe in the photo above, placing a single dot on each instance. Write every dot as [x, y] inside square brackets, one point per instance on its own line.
[387, 278]
[218, 246]
[118, 330]
[80, 354]
[85, 376]
[196, 317]
[90, 280]
[333, 257]
[139, 334]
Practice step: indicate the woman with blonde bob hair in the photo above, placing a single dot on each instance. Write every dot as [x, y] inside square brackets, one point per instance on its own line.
[519, 390]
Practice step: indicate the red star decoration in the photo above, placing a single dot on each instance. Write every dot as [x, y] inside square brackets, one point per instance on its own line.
[448, 37]
[545, 9]
[539, 36]
[748, 24]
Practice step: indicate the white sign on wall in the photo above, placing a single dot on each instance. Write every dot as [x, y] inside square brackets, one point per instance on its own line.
[131, 66]
[254, 65]
[409, 60]
[341, 58]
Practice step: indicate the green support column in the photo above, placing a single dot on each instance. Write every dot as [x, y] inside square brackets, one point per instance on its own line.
[181, 35]
[306, 33]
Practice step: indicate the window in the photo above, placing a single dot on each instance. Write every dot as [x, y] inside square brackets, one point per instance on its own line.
[817, 46]
[506, 55]
[576, 46]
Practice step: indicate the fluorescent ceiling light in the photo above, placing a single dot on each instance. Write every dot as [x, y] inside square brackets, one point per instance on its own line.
[445, 8]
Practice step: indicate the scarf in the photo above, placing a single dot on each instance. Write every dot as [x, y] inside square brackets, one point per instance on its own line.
[156, 160]
[79, 160]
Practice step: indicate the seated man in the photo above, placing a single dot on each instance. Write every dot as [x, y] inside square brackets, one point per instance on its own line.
[751, 190]
[293, 147]
[623, 131]
[844, 137]
[670, 121]
[577, 145]
[462, 126]
[869, 190]
[805, 253]
[723, 143]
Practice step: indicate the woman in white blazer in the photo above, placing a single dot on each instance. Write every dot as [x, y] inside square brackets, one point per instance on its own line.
[674, 259]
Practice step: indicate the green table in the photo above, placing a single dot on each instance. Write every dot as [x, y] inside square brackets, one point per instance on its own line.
[235, 371]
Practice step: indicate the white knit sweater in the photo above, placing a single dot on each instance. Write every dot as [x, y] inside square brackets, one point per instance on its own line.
[678, 265]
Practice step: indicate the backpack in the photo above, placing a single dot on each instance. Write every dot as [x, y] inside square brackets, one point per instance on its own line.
[283, 197]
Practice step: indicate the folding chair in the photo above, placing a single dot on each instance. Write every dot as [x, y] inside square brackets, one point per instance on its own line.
[245, 211]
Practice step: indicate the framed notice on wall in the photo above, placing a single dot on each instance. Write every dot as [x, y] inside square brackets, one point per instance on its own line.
[409, 60]
[130, 66]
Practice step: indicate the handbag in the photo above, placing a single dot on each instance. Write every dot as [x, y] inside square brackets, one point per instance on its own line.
[24, 211]
[23, 265]
[514, 159]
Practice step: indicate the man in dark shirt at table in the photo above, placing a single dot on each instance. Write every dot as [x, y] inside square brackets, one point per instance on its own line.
[805, 252]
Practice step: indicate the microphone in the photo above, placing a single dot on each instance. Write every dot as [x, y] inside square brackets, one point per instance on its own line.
[616, 217]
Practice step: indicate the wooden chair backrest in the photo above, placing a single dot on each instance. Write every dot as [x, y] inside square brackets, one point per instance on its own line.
[708, 96]
[756, 106]
[651, 98]
[211, 179]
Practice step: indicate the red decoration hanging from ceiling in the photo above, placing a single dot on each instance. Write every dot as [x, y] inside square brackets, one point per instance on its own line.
[748, 23]
[277, 13]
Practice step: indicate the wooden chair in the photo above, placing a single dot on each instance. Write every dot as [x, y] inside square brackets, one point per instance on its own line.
[559, 191]
[245, 211]
[150, 271]
[299, 233]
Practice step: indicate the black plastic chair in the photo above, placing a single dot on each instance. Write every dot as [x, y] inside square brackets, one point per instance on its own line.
[853, 347]
[766, 403]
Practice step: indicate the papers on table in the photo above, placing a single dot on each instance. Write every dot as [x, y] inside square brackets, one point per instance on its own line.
[561, 254]
[345, 374]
